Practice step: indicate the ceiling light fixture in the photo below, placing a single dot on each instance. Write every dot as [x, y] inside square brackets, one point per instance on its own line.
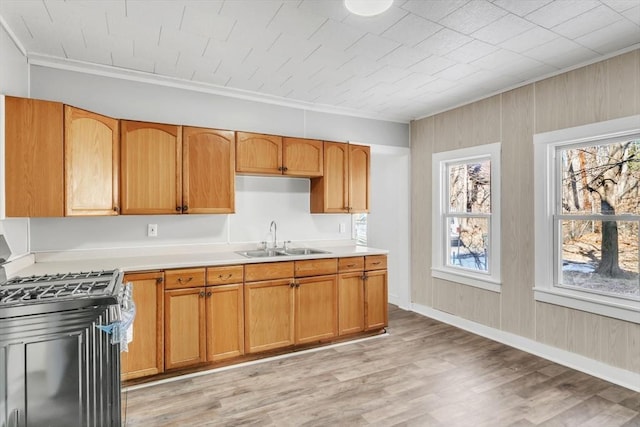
[367, 7]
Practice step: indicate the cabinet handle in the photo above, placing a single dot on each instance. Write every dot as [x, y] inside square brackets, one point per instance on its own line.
[183, 281]
[202, 294]
[375, 263]
[185, 208]
[350, 265]
[228, 276]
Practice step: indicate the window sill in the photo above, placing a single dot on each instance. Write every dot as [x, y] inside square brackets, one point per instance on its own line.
[611, 307]
[475, 280]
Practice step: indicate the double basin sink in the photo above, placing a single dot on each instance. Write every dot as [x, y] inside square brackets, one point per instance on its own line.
[260, 253]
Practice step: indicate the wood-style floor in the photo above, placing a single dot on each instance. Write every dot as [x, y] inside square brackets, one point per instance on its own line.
[424, 373]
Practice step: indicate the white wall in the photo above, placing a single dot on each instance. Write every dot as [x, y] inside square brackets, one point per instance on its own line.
[14, 80]
[389, 221]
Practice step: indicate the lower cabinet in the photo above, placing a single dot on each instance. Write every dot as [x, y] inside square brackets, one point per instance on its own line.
[350, 303]
[225, 321]
[375, 292]
[185, 326]
[269, 315]
[282, 312]
[203, 323]
[316, 313]
[362, 294]
[146, 353]
[193, 316]
[375, 300]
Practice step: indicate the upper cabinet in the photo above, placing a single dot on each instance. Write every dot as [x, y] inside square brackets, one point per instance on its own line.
[344, 186]
[91, 156]
[170, 169]
[274, 155]
[359, 178]
[208, 170]
[302, 157]
[151, 168]
[34, 158]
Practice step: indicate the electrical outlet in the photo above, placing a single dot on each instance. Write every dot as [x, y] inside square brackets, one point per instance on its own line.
[342, 227]
[152, 230]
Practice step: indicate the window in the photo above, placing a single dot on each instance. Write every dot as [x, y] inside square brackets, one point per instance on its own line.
[359, 227]
[466, 216]
[587, 186]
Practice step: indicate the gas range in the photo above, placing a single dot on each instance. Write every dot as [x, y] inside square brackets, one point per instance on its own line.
[56, 292]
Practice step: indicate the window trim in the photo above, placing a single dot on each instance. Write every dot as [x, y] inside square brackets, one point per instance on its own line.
[490, 281]
[545, 199]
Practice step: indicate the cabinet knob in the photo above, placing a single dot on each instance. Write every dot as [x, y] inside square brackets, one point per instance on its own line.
[297, 285]
[284, 169]
[292, 285]
[185, 208]
[202, 294]
[364, 276]
[116, 209]
[178, 209]
[209, 294]
[280, 168]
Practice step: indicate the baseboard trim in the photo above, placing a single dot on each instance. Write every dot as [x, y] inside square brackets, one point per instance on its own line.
[621, 377]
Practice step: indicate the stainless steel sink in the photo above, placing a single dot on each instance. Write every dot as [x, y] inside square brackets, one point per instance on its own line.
[261, 253]
[304, 251]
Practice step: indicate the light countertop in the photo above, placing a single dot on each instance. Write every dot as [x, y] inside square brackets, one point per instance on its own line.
[145, 259]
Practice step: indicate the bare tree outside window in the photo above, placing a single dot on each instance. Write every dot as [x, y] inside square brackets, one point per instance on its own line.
[468, 213]
[600, 181]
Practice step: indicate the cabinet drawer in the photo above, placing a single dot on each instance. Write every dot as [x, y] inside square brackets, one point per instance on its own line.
[375, 262]
[316, 267]
[268, 271]
[225, 275]
[184, 278]
[355, 263]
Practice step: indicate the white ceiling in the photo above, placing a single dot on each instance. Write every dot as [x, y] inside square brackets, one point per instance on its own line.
[419, 57]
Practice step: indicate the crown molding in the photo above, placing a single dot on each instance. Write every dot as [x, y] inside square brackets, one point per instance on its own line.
[13, 36]
[146, 77]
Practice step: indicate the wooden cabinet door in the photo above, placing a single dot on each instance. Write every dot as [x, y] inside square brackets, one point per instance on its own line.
[269, 315]
[146, 352]
[208, 170]
[151, 168]
[258, 154]
[34, 158]
[225, 321]
[350, 303]
[91, 149]
[359, 164]
[330, 193]
[185, 327]
[316, 312]
[375, 299]
[302, 157]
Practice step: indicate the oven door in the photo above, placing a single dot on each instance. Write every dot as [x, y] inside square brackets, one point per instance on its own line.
[60, 371]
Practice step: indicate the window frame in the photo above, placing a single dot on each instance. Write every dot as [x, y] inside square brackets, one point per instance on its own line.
[490, 280]
[548, 243]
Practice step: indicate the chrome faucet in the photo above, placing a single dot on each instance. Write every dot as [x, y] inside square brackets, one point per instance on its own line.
[274, 228]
